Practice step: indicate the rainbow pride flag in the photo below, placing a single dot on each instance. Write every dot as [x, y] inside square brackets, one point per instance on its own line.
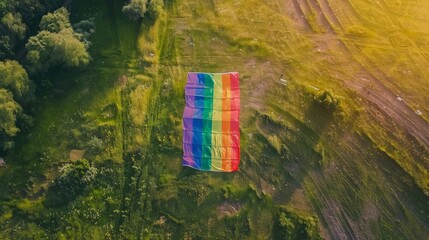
[211, 131]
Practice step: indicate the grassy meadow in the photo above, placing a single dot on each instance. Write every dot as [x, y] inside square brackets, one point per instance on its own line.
[357, 171]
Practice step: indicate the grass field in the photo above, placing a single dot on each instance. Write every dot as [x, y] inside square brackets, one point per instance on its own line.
[359, 172]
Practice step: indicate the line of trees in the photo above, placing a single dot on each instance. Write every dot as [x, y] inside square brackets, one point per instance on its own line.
[36, 36]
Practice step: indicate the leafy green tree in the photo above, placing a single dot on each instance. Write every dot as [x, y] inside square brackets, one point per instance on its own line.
[19, 17]
[50, 5]
[14, 77]
[135, 9]
[47, 49]
[84, 29]
[12, 30]
[30, 10]
[6, 6]
[56, 21]
[56, 44]
[9, 109]
[155, 7]
[6, 47]
[287, 228]
[14, 25]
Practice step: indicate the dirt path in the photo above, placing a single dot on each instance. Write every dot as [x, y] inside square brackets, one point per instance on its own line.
[320, 16]
[329, 13]
[293, 8]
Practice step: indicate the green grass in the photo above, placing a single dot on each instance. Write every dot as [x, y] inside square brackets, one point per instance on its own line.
[354, 170]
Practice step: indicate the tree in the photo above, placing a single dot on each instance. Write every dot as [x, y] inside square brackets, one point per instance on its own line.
[56, 44]
[50, 5]
[84, 29]
[135, 9]
[155, 7]
[14, 77]
[30, 10]
[19, 17]
[9, 109]
[13, 23]
[47, 49]
[12, 29]
[6, 47]
[56, 21]
[287, 228]
[6, 6]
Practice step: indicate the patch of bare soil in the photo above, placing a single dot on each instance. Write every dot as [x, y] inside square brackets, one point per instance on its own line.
[122, 80]
[254, 87]
[267, 188]
[294, 11]
[370, 211]
[320, 16]
[329, 13]
[299, 201]
[76, 154]
[228, 209]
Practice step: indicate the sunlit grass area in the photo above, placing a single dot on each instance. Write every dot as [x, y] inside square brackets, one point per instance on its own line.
[332, 145]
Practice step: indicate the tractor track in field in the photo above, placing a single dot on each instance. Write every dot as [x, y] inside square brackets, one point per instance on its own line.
[367, 83]
[329, 13]
[339, 221]
[321, 17]
[295, 11]
[372, 89]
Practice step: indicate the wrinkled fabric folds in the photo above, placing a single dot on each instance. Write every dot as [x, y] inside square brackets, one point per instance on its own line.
[211, 129]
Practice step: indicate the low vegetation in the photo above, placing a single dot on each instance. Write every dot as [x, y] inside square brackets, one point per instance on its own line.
[290, 225]
[327, 100]
[137, 9]
[101, 158]
[71, 182]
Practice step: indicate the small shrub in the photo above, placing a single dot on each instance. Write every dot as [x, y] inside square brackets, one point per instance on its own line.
[30, 209]
[135, 9]
[290, 225]
[70, 183]
[155, 8]
[327, 100]
[95, 145]
[84, 29]
[286, 226]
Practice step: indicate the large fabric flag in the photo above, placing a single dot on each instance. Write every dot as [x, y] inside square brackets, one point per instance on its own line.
[211, 131]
